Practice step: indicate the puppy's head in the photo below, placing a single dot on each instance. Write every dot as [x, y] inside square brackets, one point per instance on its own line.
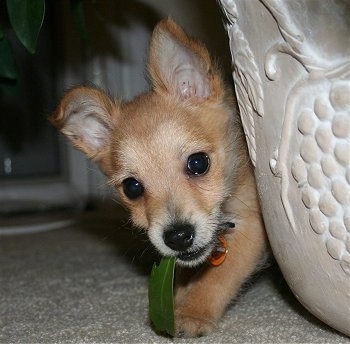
[169, 152]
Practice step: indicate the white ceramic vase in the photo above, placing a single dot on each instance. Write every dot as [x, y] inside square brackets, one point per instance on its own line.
[291, 63]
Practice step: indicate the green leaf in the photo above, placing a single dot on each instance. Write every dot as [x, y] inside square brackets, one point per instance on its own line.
[8, 68]
[160, 296]
[26, 17]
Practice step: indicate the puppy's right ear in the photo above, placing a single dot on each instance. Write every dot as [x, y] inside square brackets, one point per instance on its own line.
[181, 66]
[86, 116]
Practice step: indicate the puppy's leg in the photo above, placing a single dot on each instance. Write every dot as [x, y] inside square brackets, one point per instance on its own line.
[203, 300]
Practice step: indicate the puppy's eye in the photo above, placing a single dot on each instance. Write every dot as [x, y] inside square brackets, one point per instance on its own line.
[198, 164]
[132, 188]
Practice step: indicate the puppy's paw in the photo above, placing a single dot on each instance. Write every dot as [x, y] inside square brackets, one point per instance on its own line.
[192, 325]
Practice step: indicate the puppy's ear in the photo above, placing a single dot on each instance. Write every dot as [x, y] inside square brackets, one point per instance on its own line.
[182, 66]
[86, 116]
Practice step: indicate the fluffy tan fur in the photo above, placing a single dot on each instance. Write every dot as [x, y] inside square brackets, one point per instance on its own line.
[150, 138]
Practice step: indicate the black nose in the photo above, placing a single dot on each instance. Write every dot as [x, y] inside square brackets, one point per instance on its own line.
[179, 236]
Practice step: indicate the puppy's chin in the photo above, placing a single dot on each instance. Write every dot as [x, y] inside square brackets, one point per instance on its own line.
[194, 258]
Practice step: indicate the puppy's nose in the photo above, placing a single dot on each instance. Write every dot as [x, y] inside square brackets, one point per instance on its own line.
[179, 236]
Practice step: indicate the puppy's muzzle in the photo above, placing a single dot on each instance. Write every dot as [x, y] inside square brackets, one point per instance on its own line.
[179, 236]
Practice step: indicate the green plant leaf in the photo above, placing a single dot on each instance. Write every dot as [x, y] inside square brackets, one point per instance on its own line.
[26, 17]
[8, 68]
[161, 296]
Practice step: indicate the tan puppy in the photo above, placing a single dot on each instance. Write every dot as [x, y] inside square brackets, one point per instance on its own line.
[178, 159]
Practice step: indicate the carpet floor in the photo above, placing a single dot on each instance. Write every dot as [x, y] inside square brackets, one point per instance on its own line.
[87, 283]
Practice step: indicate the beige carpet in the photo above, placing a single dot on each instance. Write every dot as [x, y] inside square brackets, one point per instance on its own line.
[88, 284]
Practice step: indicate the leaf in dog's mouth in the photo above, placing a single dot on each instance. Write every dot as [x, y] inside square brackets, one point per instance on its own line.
[161, 296]
[161, 288]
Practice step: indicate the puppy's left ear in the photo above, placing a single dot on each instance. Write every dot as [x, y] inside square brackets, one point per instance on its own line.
[182, 66]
